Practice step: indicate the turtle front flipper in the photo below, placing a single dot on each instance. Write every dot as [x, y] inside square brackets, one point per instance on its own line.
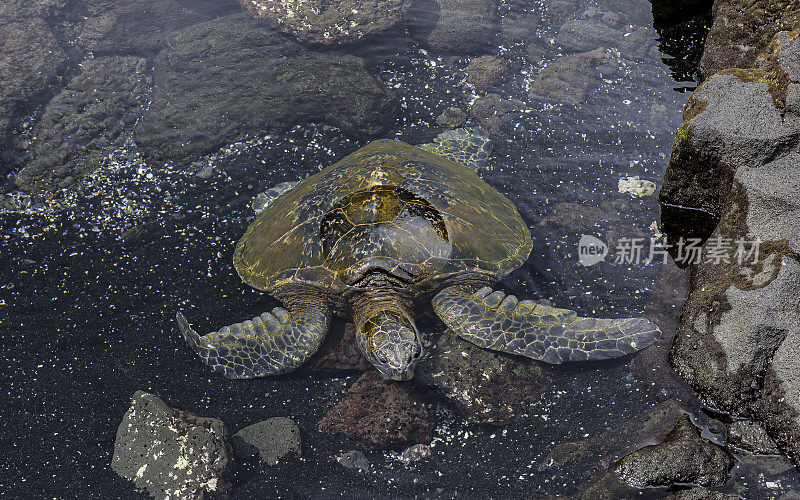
[503, 323]
[273, 343]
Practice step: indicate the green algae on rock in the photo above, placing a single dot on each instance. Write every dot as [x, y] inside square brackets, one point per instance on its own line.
[328, 23]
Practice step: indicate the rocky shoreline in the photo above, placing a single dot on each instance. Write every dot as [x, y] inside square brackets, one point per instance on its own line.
[736, 159]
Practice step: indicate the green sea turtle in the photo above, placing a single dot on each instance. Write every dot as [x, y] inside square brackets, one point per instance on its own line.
[384, 232]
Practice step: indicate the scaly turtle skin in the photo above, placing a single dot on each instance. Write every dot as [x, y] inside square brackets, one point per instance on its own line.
[384, 231]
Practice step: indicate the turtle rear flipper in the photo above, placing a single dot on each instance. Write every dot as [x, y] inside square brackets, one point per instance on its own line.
[273, 343]
[495, 321]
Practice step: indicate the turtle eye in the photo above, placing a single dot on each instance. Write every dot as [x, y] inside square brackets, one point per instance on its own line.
[383, 359]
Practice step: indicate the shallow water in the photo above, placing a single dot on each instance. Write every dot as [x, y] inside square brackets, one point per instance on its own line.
[91, 282]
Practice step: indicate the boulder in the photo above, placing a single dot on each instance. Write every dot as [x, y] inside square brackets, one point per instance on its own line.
[172, 453]
[485, 386]
[131, 26]
[736, 157]
[222, 80]
[486, 72]
[464, 27]
[83, 121]
[380, 414]
[569, 79]
[682, 457]
[328, 23]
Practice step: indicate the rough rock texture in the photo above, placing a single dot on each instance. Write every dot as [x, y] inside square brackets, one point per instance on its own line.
[30, 61]
[569, 79]
[229, 77]
[737, 156]
[486, 72]
[589, 455]
[379, 414]
[495, 114]
[702, 494]
[83, 121]
[454, 26]
[557, 12]
[131, 26]
[682, 457]
[751, 436]
[742, 29]
[164, 450]
[451, 118]
[328, 23]
[485, 386]
[19, 9]
[271, 439]
[582, 35]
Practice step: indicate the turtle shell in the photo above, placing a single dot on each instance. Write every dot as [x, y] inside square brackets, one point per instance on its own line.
[388, 205]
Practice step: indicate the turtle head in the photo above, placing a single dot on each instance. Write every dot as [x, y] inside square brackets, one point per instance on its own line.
[389, 339]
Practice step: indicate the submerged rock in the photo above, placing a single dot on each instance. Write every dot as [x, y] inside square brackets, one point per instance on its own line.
[354, 459]
[81, 123]
[171, 453]
[31, 59]
[227, 78]
[495, 114]
[569, 79]
[328, 23]
[271, 439]
[736, 157]
[379, 414]
[702, 494]
[485, 386]
[751, 436]
[340, 352]
[131, 26]
[682, 457]
[583, 35]
[454, 26]
[487, 71]
[452, 118]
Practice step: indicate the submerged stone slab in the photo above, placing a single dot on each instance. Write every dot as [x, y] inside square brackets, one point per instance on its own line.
[85, 119]
[131, 26]
[454, 26]
[380, 414]
[31, 59]
[222, 80]
[171, 453]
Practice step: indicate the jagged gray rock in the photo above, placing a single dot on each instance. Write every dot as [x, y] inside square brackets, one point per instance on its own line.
[171, 453]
